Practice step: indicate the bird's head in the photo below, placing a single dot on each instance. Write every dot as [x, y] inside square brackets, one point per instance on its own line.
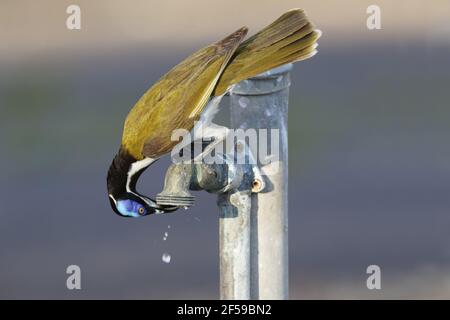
[134, 206]
[123, 174]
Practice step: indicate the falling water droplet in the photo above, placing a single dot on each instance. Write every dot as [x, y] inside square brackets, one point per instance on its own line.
[166, 258]
[165, 236]
[243, 102]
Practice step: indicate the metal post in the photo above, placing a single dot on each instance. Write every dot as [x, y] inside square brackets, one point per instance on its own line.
[262, 103]
[253, 217]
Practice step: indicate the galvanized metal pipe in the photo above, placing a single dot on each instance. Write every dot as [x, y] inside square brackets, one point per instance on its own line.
[253, 213]
[262, 103]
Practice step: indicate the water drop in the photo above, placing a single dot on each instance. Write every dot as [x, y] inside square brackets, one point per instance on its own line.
[166, 258]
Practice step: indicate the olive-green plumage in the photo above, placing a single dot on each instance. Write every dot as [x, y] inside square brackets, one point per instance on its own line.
[178, 98]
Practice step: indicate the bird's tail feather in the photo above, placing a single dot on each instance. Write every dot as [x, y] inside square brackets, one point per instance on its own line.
[290, 38]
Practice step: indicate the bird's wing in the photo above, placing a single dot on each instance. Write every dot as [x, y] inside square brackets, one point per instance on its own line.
[177, 99]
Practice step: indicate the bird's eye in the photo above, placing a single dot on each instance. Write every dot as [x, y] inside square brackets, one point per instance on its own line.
[141, 210]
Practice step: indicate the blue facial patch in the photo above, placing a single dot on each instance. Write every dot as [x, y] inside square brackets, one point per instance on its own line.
[130, 208]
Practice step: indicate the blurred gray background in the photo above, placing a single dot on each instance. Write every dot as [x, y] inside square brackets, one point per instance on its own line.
[368, 136]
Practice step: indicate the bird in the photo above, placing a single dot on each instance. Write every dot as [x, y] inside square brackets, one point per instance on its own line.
[190, 92]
